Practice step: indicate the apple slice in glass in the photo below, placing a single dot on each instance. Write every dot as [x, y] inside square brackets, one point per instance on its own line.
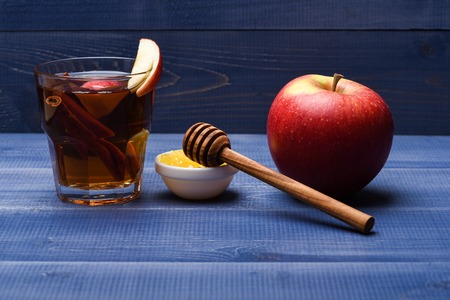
[98, 104]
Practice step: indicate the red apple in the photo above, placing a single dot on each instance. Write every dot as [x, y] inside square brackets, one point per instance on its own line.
[330, 134]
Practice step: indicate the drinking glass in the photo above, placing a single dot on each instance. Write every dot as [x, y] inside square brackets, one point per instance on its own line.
[96, 126]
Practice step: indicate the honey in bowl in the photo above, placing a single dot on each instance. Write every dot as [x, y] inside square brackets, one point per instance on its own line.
[177, 158]
[190, 180]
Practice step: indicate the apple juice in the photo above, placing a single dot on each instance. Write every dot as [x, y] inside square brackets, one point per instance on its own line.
[97, 129]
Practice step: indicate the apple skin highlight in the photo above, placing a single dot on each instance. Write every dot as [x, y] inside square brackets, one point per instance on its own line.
[335, 142]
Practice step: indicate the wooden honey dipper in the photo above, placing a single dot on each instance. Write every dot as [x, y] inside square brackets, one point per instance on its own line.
[210, 146]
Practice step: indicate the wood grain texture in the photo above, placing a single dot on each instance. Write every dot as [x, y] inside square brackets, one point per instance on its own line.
[230, 78]
[219, 15]
[252, 242]
[224, 62]
[301, 280]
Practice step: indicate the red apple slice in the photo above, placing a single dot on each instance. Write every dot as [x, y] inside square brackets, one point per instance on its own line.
[148, 61]
[99, 85]
[99, 104]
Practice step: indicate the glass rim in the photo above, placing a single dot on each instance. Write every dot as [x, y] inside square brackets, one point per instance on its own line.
[124, 75]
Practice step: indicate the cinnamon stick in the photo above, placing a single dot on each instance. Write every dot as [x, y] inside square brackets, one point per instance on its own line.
[82, 127]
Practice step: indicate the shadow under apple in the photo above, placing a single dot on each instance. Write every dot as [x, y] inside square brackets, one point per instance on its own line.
[368, 197]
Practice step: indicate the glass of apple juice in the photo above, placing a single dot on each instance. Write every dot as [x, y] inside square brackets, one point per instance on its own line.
[97, 127]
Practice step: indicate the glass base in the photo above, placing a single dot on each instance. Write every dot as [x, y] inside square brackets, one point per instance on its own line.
[99, 197]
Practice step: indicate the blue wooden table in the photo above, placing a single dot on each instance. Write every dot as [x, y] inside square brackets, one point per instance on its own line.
[253, 242]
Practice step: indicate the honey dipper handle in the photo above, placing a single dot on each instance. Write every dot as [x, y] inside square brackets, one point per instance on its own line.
[339, 210]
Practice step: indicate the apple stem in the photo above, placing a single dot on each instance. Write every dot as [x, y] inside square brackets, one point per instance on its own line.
[336, 79]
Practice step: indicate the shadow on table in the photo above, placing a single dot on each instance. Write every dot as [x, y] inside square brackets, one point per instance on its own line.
[229, 197]
[369, 197]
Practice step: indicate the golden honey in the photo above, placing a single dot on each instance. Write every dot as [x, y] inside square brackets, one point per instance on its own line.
[177, 158]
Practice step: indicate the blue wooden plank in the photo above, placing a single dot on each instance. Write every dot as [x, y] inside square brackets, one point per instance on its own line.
[230, 78]
[420, 152]
[234, 14]
[107, 280]
[221, 234]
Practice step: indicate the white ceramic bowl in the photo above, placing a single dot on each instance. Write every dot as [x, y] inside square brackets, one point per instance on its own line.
[195, 183]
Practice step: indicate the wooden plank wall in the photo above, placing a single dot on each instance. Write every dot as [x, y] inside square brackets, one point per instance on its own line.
[224, 61]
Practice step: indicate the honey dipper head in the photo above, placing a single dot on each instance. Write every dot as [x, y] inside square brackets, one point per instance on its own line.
[203, 143]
